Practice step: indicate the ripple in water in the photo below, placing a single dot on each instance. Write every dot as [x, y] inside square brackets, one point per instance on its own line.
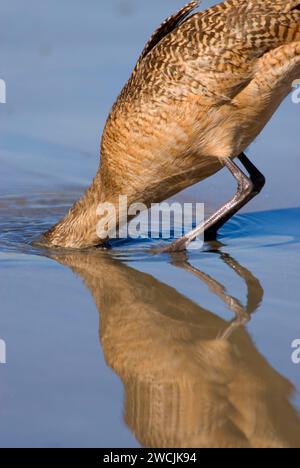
[22, 220]
[263, 229]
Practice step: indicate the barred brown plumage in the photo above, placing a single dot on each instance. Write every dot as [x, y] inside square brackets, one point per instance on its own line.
[203, 89]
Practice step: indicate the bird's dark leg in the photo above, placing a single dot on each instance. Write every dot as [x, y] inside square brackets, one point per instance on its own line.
[245, 193]
[248, 188]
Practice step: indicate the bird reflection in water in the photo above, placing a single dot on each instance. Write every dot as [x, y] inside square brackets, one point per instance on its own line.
[191, 379]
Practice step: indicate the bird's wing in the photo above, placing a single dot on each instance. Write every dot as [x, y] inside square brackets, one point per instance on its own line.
[283, 6]
[214, 52]
[178, 18]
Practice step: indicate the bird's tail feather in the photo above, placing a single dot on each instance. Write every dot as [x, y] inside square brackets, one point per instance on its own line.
[171, 23]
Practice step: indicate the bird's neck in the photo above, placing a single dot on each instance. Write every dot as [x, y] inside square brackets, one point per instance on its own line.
[78, 229]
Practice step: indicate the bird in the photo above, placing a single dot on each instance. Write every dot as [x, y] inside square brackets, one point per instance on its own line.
[191, 378]
[204, 87]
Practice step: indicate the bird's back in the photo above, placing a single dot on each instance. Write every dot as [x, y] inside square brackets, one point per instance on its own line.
[213, 51]
[177, 101]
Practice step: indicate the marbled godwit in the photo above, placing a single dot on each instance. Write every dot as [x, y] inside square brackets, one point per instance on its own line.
[204, 87]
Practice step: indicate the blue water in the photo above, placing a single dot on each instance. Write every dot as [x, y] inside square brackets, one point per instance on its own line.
[192, 350]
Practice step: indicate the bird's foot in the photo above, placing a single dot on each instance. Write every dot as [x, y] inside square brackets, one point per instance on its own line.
[180, 245]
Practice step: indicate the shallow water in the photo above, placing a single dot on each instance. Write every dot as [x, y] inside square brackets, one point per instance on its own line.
[193, 350]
